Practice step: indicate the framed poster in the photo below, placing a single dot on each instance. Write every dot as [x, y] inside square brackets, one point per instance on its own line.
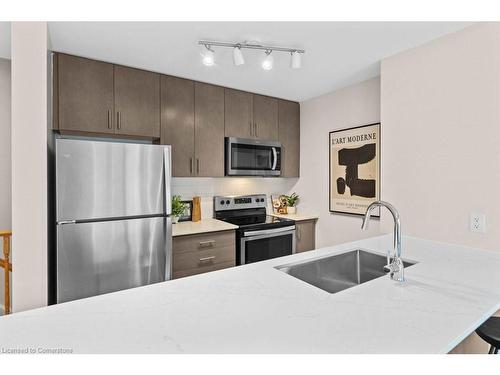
[355, 169]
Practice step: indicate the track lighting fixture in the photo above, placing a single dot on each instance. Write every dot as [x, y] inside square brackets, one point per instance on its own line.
[208, 56]
[268, 62]
[238, 56]
[238, 59]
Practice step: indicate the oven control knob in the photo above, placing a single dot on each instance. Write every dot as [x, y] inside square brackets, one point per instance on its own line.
[222, 202]
[227, 202]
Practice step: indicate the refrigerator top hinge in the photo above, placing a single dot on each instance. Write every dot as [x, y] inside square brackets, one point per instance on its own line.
[62, 222]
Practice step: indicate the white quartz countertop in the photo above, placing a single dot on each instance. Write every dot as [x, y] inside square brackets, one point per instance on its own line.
[185, 228]
[258, 309]
[298, 217]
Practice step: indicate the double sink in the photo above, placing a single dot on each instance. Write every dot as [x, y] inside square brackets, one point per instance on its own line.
[339, 272]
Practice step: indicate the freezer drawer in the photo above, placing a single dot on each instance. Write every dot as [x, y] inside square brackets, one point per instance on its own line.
[96, 179]
[102, 257]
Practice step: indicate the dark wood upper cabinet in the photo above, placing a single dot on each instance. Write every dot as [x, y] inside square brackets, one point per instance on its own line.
[137, 102]
[177, 123]
[84, 95]
[265, 117]
[289, 136]
[238, 114]
[209, 130]
[97, 98]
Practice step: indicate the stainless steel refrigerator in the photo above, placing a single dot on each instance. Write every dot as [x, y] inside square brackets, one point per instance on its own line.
[113, 226]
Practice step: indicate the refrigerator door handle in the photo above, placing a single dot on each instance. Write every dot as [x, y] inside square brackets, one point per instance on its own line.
[64, 222]
[168, 174]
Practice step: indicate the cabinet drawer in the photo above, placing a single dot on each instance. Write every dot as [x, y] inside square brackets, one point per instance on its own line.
[191, 263]
[195, 271]
[203, 253]
[205, 241]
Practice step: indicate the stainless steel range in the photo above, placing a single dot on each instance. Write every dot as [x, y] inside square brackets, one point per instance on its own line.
[259, 236]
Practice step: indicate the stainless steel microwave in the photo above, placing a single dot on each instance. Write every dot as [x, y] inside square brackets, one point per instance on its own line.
[252, 157]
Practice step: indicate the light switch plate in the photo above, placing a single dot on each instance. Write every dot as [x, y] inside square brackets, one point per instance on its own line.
[477, 223]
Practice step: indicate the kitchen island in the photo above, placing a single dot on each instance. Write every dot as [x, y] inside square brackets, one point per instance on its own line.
[258, 309]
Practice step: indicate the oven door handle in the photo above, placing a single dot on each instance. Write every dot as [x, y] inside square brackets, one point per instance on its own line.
[275, 159]
[268, 231]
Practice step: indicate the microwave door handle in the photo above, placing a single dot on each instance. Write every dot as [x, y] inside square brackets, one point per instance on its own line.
[275, 159]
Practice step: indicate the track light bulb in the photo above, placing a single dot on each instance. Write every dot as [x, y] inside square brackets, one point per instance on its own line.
[208, 57]
[238, 56]
[295, 61]
[268, 62]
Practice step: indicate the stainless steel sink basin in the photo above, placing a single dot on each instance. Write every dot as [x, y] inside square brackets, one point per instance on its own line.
[338, 272]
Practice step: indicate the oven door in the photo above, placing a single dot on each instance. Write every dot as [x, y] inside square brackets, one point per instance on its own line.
[266, 244]
[251, 157]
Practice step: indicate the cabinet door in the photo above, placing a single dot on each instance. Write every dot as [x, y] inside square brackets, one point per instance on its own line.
[137, 102]
[238, 114]
[85, 95]
[265, 117]
[305, 232]
[209, 130]
[289, 136]
[177, 123]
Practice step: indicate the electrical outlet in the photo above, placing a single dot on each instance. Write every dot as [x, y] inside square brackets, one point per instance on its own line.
[478, 223]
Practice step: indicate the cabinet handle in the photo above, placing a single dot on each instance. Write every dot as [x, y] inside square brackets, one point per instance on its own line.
[190, 165]
[256, 129]
[299, 235]
[207, 259]
[109, 119]
[118, 122]
[207, 243]
[251, 128]
[197, 166]
[255, 134]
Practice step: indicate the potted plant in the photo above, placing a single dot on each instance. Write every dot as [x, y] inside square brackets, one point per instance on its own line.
[291, 201]
[178, 208]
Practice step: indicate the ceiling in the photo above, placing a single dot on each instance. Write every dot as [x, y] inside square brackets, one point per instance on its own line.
[338, 54]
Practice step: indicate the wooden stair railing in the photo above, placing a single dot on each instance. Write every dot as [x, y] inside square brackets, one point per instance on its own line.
[7, 266]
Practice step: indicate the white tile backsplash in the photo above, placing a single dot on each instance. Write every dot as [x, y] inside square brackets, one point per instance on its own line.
[207, 188]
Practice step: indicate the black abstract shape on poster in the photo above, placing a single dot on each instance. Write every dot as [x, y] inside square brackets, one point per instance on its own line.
[351, 158]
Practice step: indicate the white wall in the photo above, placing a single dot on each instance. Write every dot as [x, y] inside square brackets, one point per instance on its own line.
[207, 188]
[5, 180]
[29, 164]
[352, 106]
[441, 136]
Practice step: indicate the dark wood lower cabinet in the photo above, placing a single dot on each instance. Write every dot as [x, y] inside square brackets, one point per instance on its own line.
[200, 253]
[305, 235]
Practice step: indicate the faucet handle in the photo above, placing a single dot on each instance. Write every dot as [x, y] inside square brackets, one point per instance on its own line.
[391, 267]
[395, 269]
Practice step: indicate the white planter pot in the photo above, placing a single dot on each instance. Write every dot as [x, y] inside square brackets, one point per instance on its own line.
[175, 219]
[292, 210]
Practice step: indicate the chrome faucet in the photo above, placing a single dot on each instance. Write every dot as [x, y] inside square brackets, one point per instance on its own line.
[395, 266]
